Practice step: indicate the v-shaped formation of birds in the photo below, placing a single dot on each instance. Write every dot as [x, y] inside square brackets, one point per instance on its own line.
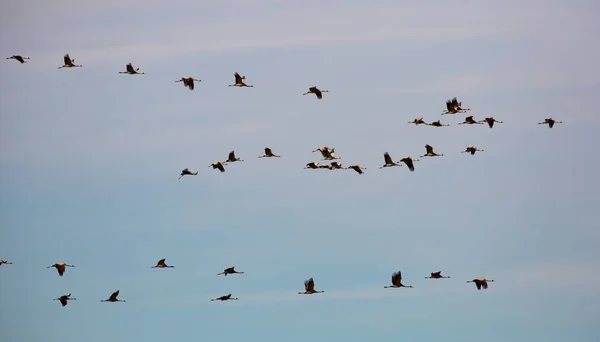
[328, 154]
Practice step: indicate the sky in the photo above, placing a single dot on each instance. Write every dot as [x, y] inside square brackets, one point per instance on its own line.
[89, 161]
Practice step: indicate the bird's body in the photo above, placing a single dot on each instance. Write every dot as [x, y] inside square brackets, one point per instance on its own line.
[188, 81]
[224, 298]
[481, 283]
[309, 287]
[161, 264]
[230, 270]
[269, 154]
[550, 122]
[437, 124]
[113, 298]
[60, 267]
[187, 171]
[64, 298]
[430, 152]
[470, 121]
[388, 161]
[436, 275]
[312, 165]
[232, 159]
[240, 81]
[490, 121]
[409, 162]
[356, 168]
[131, 71]
[471, 149]
[69, 63]
[19, 58]
[5, 262]
[217, 165]
[418, 121]
[316, 91]
[397, 281]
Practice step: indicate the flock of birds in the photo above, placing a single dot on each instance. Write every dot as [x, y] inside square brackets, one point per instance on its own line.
[453, 106]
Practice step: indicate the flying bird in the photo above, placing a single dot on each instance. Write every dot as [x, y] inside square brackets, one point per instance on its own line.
[316, 91]
[397, 281]
[418, 121]
[436, 275]
[230, 270]
[388, 161]
[335, 166]
[161, 264]
[187, 171]
[550, 122]
[69, 63]
[430, 152]
[480, 282]
[224, 298]
[131, 70]
[240, 81]
[19, 58]
[113, 298]
[5, 262]
[437, 124]
[269, 154]
[217, 165]
[188, 81]
[60, 267]
[453, 107]
[323, 150]
[328, 154]
[356, 168]
[490, 121]
[470, 121]
[312, 165]
[471, 149]
[64, 298]
[309, 287]
[409, 162]
[232, 159]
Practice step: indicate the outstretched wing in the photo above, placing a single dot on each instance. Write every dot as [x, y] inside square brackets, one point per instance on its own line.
[397, 278]
[436, 273]
[67, 59]
[268, 151]
[484, 284]
[449, 106]
[130, 68]
[61, 269]
[429, 148]
[231, 156]
[387, 158]
[238, 78]
[455, 104]
[469, 119]
[113, 296]
[161, 262]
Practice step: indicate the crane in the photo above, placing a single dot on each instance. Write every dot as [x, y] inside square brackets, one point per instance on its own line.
[5, 262]
[471, 149]
[187, 171]
[232, 159]
[70, 63]
[161, 264]
[388, 161]
[397, 281]
[430, 152]
[437, 124]
[316, 91]
[224, 298]
[217, 165]
[19, 58]
[188, 81]
[418, 121]
[60, 267]
[481, 282]
[113, 298]
[269, 154]
[230, 270]
[356, 168]
[490, 121]
[64, 298]
[131, 71]
[309, 287]
[240, 81]
[470, 121]
[549, 121]
[409, 162]
[436, 275]
[312, 165]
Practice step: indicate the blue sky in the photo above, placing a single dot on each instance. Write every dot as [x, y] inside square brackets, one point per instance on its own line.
[89, 161]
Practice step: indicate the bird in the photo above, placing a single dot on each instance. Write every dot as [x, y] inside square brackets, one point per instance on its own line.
[113, 298]
[430, 152]
[471, 149]
[224, 298]
[131, 70]
[328, 154]
[69, 63]
[312, 165]
[232, 159]
[418, 121]
[5, 262]
[309, 287]
[64, 298]
[453, 107]
[335, 166]
[356, 168]
[437, 124]
[480, 282]
[397, 281]
[230, 270]
[269, 154]
[409, 162]
[388, 161]
[469, 120]
[240, 81]
[549, 121]
[161, 264]
[316, 91]
[217, 165]
[490, 121]
[436, 275]
[322, 149]
[187, 171]
[188, 81]
[60, 267]
[19, 58]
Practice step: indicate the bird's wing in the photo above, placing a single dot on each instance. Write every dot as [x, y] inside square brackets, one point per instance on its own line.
[387, 158]
[318, 93]
[397, 278]
[67, 59]
[455, 104]
[114, 295]
[130, 68]
[484, 284]
[220, 167]
[231, 155]
[449, 106]
[313, 89]
[268, 151]
[436, 273]
[161, 262]
[429, 148]
[311, 285]
[238, 78]
[63, 300]
[306, 285]
[61, 269]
